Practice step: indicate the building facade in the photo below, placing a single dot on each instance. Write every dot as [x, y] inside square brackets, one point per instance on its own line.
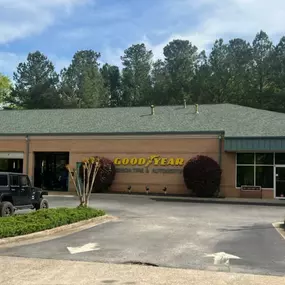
[149, 150]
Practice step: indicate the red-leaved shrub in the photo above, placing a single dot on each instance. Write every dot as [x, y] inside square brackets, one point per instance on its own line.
[202, 175]
[105, 176]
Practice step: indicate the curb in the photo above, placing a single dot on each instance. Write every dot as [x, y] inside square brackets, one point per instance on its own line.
[220, 201]
[63, 196]
[62, 230]
[280, 228]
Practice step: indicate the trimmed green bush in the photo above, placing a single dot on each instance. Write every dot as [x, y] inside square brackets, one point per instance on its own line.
[44, 219]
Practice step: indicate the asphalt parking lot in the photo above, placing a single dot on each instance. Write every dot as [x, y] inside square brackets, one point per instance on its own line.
[173, 234]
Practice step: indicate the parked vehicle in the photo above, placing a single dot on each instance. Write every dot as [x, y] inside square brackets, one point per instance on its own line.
[17, 193]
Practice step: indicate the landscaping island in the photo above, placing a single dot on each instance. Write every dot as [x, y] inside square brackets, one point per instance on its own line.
[44, 220]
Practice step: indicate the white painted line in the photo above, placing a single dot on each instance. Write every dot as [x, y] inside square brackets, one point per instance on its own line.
[84, 248]
[64, 196]
[222, 258]
[279, 229]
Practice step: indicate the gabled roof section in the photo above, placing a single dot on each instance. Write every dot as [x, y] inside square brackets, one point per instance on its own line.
[234, 120]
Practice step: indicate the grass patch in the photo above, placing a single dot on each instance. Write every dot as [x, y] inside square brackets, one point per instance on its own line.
[44, 219]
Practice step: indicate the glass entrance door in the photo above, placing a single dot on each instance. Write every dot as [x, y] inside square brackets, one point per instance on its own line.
[50, 170]
[280, 182]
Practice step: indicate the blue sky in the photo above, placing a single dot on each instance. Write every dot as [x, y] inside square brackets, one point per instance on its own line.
[59, 28]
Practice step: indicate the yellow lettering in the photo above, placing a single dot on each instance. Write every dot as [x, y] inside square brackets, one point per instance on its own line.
[125, 161]
[141, 161]
[179, 161]
[156, 160]
[171, 161]
[117, 161]
[163, 161]
[134, 161]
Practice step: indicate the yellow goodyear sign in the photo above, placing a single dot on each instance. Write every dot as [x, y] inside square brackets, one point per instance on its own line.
[155, 160]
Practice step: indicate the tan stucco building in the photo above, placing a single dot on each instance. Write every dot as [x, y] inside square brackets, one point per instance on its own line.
[247, 143]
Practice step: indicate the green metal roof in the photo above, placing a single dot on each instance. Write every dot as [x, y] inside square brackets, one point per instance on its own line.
[234, 120]
[255, 144]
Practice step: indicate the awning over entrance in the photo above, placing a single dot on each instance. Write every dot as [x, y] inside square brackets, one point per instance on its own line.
[234, 144]
[12, 155]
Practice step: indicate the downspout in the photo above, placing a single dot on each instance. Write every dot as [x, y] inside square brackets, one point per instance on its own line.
[220, 149]
[27, 153]
[220, 155]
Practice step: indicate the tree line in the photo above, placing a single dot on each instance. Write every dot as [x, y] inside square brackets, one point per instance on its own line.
[237, 72]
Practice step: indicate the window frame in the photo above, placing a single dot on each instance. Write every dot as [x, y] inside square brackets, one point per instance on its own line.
[254, 165]
[7, 176]
[10, 177]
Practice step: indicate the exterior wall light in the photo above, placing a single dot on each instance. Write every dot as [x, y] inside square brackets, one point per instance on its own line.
[147, 189]
[130, 189]
[165, 190]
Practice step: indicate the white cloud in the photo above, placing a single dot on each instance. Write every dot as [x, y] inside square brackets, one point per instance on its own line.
[227, 19]
[22, 18]
[8, 62]
[111, 56]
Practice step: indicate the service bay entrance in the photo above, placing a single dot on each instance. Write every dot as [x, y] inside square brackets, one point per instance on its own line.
[50, 171]
[280, 182]
[11, 162]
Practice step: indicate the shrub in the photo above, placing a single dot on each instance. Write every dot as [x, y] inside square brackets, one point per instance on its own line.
[202, 175]
[105, 176]
[44, 219]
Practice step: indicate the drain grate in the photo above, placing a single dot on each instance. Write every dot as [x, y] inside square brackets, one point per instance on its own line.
[140, 263]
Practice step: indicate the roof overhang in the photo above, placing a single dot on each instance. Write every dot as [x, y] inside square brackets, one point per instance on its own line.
[218, 133]
[234, 144]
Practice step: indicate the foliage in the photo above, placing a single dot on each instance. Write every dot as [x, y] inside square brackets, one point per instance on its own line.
[136, 75]
[112, 82]
[90, 168]
[82, 85]
[202, 175]
[5, 87]
[35, 84]
[44, 219]
[105, 176]
[237, 72]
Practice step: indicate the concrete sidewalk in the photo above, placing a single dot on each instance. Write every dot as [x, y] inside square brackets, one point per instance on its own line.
[14, 271]
[170, 198]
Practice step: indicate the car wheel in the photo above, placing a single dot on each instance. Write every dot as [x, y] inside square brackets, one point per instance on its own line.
[43, 204]
[6, 209]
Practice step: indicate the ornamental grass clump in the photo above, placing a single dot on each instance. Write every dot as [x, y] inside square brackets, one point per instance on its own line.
[90, 167]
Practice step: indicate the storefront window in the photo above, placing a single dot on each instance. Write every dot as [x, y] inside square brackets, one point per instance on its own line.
[255, 169]
[245, 175]
[264, 158]
[245, 158]
[280, 158]
[264, 176]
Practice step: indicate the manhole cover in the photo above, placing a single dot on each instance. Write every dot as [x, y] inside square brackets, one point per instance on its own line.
[140, 263]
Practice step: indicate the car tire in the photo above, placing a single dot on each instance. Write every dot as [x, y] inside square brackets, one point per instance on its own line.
[42, 204]
[6, 209]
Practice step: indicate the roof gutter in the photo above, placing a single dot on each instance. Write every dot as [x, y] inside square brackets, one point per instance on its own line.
[114, 134]
[27, 153]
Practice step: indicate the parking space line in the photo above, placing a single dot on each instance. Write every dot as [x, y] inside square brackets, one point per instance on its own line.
[279, 229]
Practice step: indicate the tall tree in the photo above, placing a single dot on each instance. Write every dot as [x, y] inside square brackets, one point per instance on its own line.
[180, 60]
[200, 83]
[160, 83]
[220, 76]
[262, 68]
[239, 62]
[112, 82]
[5, 87]
[35, 84]
[82, 83]
[136, 78]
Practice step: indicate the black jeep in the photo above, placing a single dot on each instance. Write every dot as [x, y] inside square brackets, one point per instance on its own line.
[17, 193]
